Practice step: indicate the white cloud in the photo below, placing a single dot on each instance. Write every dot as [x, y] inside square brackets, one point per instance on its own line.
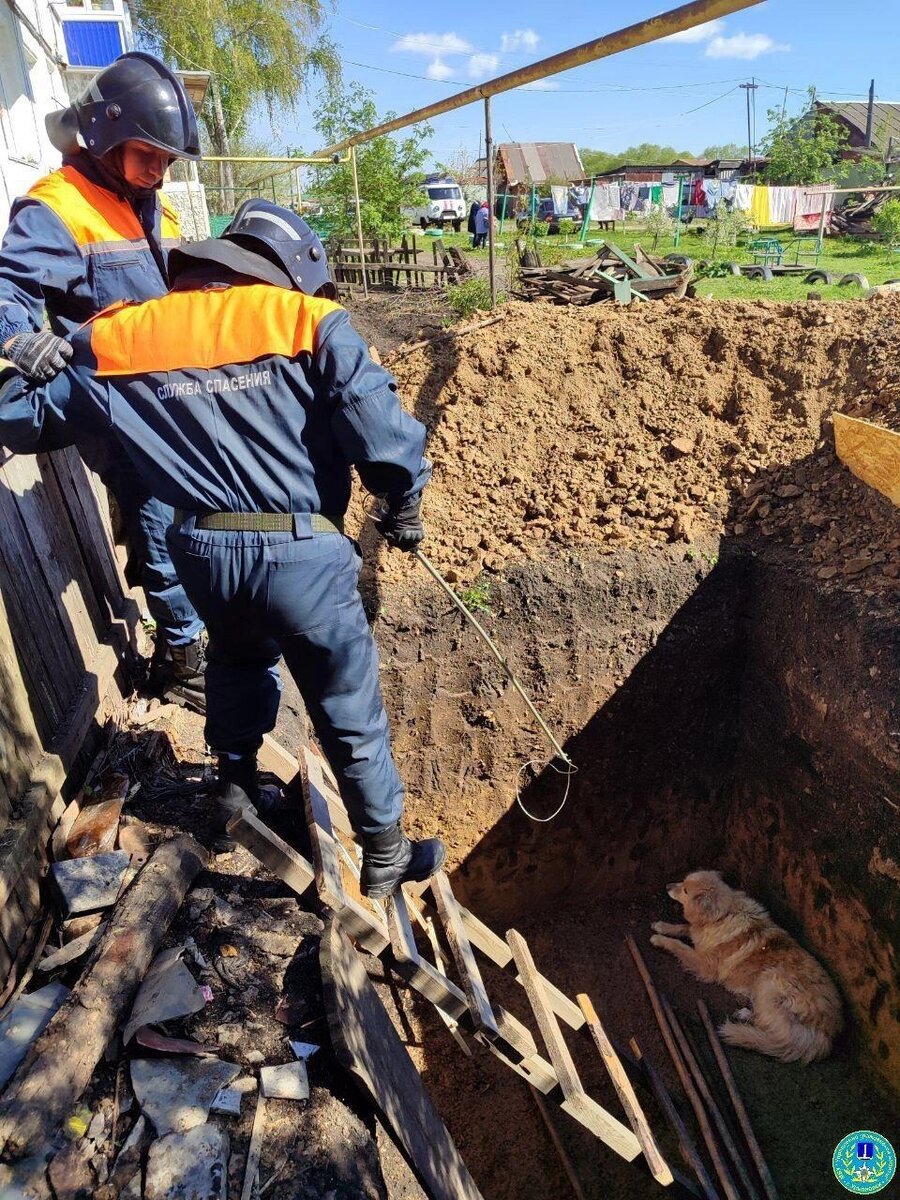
[438, 69]
[481, 65]
[700, 33]
[519, 39]
[541, 85]
[431, 44]
[744, 45]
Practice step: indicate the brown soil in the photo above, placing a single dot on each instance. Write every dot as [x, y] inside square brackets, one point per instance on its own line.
[618, 428]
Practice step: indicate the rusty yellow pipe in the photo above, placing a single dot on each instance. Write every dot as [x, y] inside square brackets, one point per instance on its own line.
[651, 30]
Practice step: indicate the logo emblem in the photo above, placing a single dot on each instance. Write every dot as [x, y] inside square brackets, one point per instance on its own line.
[864, 1162]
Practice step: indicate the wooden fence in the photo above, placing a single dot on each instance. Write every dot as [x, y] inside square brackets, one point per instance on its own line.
[65, 621]
[405, 266]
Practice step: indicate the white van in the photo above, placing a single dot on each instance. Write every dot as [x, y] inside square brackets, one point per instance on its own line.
[446, 204]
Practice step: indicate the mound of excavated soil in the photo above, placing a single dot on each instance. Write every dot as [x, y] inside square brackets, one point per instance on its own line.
[622, 427]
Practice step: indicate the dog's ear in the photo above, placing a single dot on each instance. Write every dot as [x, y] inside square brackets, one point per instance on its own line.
[710, 903]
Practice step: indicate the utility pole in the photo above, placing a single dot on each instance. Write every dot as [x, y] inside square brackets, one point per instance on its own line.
[748, 88]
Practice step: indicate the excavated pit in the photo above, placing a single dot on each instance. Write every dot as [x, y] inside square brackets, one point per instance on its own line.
[726, 687]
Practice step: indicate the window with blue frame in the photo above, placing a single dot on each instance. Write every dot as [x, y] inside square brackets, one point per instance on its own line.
[93, 43]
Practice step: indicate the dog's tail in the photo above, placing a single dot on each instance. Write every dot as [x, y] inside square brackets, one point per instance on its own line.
[790, 1042]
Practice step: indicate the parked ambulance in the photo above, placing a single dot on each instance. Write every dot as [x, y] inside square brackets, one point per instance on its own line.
[446, 204]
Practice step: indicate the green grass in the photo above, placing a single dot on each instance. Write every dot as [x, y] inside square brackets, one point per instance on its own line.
[842, 256]
[477, 598]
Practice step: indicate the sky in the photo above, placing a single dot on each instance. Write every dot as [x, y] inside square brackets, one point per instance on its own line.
[683, 92]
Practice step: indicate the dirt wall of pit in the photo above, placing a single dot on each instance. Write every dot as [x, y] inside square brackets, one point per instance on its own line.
[723, 712]
[814, 825]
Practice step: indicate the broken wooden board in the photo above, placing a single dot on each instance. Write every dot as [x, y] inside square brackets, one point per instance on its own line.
[576, 1101]
[473, 984]
[871, 452]
[368, 1046]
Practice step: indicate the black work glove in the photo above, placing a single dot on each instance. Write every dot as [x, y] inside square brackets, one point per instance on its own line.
[40, 356]
[401, 525]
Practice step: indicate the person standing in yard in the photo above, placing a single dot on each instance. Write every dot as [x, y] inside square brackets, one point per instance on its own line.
[243, 398]
[95, 233]
[473, 212]
[482, 225]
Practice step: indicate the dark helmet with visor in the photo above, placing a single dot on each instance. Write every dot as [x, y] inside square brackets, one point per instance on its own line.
[136, 98]
[282, 237]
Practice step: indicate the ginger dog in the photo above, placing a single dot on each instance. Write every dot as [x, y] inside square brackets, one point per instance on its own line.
[795, 1010]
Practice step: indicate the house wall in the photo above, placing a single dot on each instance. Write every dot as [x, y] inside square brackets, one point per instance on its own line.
[31, 85]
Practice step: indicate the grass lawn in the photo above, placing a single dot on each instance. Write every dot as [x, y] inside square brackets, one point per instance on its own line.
[841, 256]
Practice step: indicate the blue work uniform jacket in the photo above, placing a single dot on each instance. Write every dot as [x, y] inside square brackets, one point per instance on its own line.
[248, 398]
[73, 247]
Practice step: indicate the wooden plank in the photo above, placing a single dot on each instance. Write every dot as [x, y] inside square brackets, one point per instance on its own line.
[441, 965]
[325, 856]
[515, 1046]
[93, 534]
[49, 533]
[272, 851]
[737, 1103]
[367, 1044]
[327, 783]
[43, 647]
[14, 922]
[659, 1168]
[254, 1150]
[473, 984]
[20, 743]
[871, 452]
[686, 1144]
[576, 1101]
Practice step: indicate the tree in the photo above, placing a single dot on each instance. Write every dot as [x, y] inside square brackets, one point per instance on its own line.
[886, 222]
[462, 167]
[597, 161]
[805, 148]
[726, 150]
[259, 52]
[389, 169]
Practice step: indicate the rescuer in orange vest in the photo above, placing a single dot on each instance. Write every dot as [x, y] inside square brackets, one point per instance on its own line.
[92, 234]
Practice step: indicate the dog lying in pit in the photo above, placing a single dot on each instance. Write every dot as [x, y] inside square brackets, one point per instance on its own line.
[795, 1011]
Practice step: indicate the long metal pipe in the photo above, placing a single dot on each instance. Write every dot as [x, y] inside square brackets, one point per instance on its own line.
[489, 153]
[674, 21]
[319, 160]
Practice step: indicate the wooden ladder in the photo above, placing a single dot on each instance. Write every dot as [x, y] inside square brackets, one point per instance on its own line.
[466, 1010]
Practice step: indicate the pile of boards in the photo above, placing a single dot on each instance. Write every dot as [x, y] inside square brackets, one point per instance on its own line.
[610, 275]
[856, 215]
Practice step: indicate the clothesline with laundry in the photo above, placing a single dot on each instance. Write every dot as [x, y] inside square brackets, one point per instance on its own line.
[798, 207]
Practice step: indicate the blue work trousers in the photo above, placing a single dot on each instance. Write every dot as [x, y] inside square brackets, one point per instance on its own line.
[264, 595]
[146, 520]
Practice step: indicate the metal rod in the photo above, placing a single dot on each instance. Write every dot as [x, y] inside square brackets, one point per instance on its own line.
[737, 1103]
[486, 638]
[675, 21]
[712, 1146]
[690, 1058]
[318, 161]
[359, 228]
[686, 1143]
[567, 1165]
[489, 151]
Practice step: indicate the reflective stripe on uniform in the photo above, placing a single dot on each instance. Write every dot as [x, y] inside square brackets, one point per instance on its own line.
[207, 329]
[95, 216]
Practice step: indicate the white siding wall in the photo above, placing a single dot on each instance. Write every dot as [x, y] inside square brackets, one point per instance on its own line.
[31, 85]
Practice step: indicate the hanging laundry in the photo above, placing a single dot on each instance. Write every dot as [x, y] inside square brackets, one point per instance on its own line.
[743, 196]
[698, 194]
[713, 191]
[559, 193]
[808, 211]
[628, 193]
[781, 205]
[670, 195]
[606, 204]
[760, 213]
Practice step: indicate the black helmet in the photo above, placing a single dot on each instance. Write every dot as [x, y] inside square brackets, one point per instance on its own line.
[136, 98]
[284, 238]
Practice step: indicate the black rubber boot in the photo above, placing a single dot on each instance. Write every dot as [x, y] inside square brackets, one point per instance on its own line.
[237, 788]
[186, 685]
[391, 859]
